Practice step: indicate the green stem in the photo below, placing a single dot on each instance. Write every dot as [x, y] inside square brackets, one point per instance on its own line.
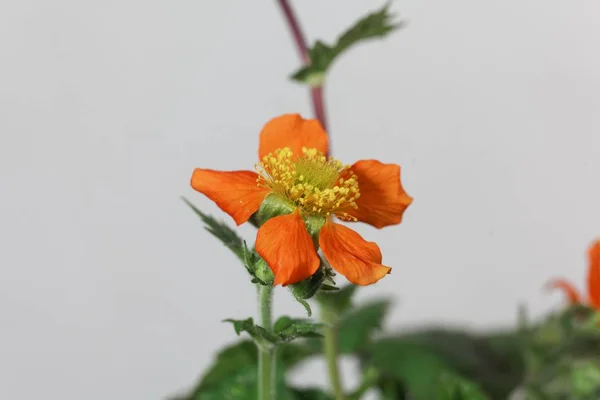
[266, 352]
[330, 342]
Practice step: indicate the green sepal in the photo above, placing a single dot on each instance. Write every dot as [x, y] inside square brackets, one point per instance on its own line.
[307, 288]
[221, 231]
[257, 267]
[375, 25]
[272, 206]
[314, 223]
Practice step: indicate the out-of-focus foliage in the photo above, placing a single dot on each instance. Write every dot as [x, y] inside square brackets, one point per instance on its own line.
[553, 360]
[232, 376]
[563, 357]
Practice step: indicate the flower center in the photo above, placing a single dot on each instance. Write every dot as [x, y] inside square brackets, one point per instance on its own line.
[317, 184]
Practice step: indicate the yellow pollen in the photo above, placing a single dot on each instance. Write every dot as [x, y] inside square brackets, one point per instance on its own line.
[317, 184]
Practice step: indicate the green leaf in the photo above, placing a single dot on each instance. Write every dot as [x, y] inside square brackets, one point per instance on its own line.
[240, 355]
[450, 386]
[493, 361]
[375, 25]
[288, 329]
[370, 379]
[339, 301]
[258, 333]
[356, 328]
[221, 231]
[293, 353]
[285, 330]
[232, 376]
[406, 368]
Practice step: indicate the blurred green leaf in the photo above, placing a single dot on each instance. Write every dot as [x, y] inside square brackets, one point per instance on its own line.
[493, 361]
[309, 394]
[375, 25]
[562, 356]
[221, 231]
[356, 327]
[405, 367]
[232, 376]
[229, 360]
[338, 301]
[453, 387]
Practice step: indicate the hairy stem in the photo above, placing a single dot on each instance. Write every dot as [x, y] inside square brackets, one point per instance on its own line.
[266, 353]
[330, 343]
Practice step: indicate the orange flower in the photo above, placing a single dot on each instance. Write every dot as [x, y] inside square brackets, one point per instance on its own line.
[308, 185]
[593, 281]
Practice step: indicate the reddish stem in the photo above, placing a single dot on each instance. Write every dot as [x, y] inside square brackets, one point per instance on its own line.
[316, 91]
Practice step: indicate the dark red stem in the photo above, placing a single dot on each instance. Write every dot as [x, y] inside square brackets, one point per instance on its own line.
[316, 91]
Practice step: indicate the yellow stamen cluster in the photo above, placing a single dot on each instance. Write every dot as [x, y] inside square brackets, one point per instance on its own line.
[317, 184]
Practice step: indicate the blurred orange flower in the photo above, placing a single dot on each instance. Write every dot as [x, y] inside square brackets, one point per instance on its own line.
[293, 167]
[593, 281]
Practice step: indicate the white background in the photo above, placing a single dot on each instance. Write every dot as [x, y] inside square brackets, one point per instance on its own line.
[110, 287]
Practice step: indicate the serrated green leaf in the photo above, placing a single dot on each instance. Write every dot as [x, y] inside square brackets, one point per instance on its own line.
[285, 330]
[375, 25]
[221, 231]
[258, 333]
[288, 329]
[356, 327]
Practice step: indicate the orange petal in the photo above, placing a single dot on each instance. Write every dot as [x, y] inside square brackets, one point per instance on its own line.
[571, 292]
[382, 199]
[350, 255]
[594, 274]
[235, 192]
[291, 130]
[284, 243]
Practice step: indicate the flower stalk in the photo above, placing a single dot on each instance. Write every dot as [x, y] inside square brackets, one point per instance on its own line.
[331, 350]
[316, 91]
[266, 352]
